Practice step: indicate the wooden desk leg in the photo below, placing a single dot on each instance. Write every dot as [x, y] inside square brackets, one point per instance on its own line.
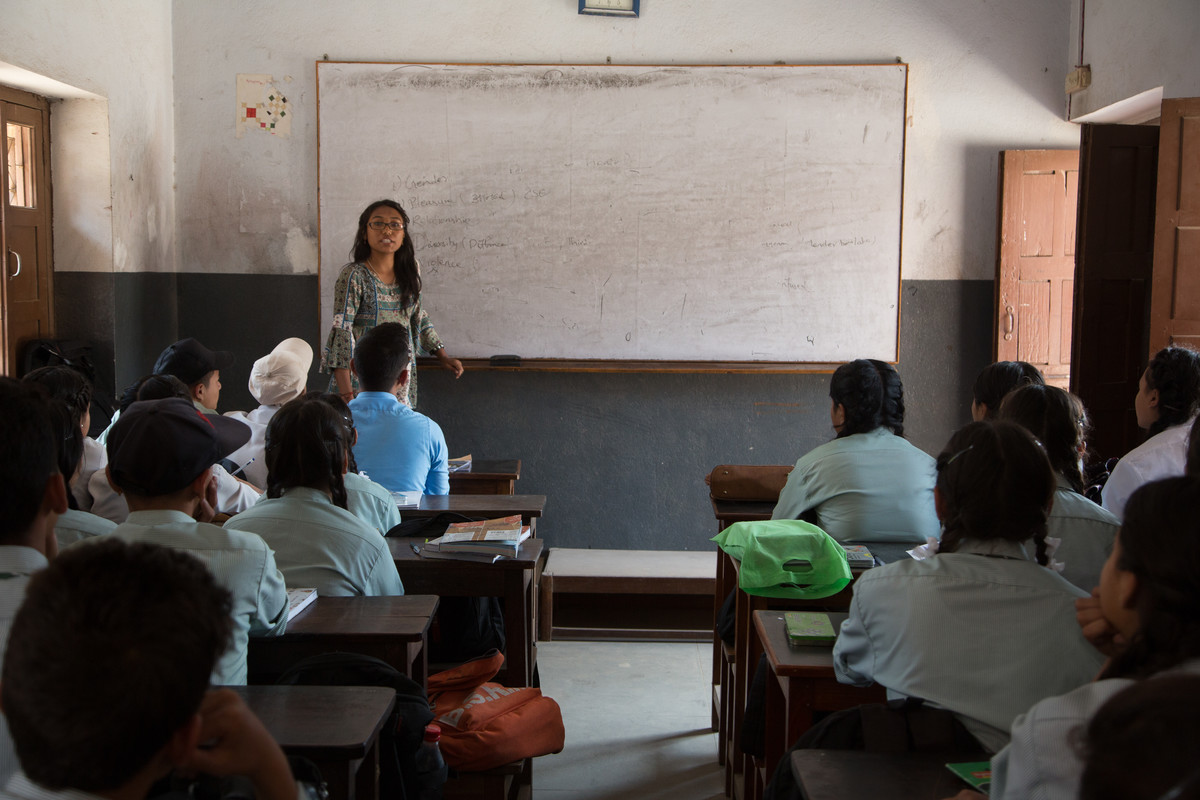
[367, 780]
[735, 767]
[517, 635]
[753, 649]
[418, 661]
[339, 777]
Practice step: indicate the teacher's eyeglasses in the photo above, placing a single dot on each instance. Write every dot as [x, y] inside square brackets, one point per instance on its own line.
[379, 225]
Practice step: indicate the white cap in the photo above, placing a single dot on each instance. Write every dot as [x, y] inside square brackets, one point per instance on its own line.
[282, 374]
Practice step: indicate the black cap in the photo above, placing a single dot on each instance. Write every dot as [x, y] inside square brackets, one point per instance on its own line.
[158, 447]
[190, 361]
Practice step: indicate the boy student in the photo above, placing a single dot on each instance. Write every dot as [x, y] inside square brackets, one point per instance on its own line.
[400, 448]
[32, 495]
[160, 456]
[279, 376]
[198, 367]
[106, 685]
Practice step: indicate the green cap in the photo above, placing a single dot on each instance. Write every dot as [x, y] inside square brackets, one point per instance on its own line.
[786, 558]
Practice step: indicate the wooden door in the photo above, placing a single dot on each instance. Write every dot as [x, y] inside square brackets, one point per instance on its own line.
[1118, 170]
[1175, 296]
[1035, 269]
[25, 223]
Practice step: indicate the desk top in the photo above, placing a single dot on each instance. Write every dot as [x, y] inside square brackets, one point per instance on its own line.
[483, 468]
[402, 553]
[478, 505]
[321, 722]
[794, 662]
[406, 617]
[837, 774]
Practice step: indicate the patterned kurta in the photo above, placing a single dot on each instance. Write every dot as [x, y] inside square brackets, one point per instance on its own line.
[360, 302]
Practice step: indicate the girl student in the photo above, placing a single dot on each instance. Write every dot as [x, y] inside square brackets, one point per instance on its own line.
[365, 498]
[318, 543]
[1084, 530]
[382, 283]
[995, 381]
[1143, 616]
[982, 628]
[869, 484]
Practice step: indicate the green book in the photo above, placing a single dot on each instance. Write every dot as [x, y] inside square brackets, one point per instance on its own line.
[977, 774]
[808, 628]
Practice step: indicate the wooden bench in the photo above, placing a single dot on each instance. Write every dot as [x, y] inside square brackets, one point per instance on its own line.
[657, 595]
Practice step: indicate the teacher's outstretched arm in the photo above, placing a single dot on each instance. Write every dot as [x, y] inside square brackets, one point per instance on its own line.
[452, 364]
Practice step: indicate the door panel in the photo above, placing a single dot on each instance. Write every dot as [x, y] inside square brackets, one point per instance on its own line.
[1175, 299]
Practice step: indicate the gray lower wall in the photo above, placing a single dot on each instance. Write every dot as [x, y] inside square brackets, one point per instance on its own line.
[621, 457]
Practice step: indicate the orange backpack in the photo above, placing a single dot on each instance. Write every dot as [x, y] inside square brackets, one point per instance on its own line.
[485, 725]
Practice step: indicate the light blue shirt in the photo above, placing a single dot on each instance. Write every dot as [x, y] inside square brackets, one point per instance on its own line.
[397, 447]
[240, 561]
[983, 632]
[867, 487]
[371, 503]
[19, 564]
[75, 526]
[318, 545]
[1087, 532]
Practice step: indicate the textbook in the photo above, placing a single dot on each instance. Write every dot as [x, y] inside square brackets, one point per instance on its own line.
[500, 537]
[977, 774]
[859, 556]
[808, 628]
[407, 499]
[298, 600]
[460, 464]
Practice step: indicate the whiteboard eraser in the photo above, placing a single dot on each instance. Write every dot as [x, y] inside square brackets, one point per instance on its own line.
[505, 361]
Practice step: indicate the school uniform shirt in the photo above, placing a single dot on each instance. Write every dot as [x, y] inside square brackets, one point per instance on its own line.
[17, 565]
[233, 496]
[255, 471]
[867, 487]
[75, 526]
[371, 503]
[240, 561]
[95, 457]
[1042, 762]
[1087, 532]
[1163, 455]
[399, 448]
[318, 545]
[982, 632]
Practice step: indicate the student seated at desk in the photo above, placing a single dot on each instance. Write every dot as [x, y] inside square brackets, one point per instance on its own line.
[303, 518]
[198, 368]
[365, 498]
[68, 386]
[105, 684]
[980, 628]
[160, 456]
[995, 381]
[400, 448]
[869, 484]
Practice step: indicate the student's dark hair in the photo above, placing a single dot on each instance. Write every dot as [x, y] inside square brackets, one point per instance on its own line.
[109, 655]
[66, 385]
[1193, 453]
[872, 395]
[154, 387]
[380, 355]
[995, 482]
[408, 278]
[997, 380]
[1175, 373]
[306, 446]
[28, 455]
[1141, 744]
[69, 436]
[1057, 419]
[1160, 545]
[335, 401]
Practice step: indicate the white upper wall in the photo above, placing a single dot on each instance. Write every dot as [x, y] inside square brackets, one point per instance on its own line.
[984, 76]
[119, 50]
[1136, 46]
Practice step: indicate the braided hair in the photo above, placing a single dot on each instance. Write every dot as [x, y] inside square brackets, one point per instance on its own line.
[1057, 419]
[871, 394]
[1160, 544]
[65, 385]
[306, 446]
[1175, 373]
[335, 401]
[994, 482]
[997, 380]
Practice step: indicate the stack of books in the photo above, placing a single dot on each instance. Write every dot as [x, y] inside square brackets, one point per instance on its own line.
[487, 539]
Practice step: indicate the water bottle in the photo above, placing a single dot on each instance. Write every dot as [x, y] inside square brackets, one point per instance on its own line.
[431, 768]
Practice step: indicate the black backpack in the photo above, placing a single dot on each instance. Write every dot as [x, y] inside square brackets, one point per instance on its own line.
[402, 734]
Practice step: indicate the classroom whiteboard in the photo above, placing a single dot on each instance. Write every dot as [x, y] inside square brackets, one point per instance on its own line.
[625, 213]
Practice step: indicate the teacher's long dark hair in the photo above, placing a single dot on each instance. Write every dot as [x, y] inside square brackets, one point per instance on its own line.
[407, 276]
[306, 446]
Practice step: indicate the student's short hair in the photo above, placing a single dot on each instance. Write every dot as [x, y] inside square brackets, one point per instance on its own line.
[1057, 419]
[995, 482]
[997, 380]
[306, 446]
[66, 385]
[1141, 744]
[108, 657]
[872, 395]
[28, 455]
[1175, 373]
[154, 387]
[380, 355]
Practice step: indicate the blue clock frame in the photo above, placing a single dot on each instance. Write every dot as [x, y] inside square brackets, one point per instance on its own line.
[605, 12]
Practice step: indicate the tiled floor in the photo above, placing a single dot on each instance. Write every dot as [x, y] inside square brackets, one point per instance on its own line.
[637, 719]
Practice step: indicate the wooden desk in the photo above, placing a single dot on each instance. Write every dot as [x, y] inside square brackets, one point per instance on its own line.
[487, 477]
[512, 579]
[481, 506]
[840, 774]
[394, 629]
[337, 727]
[802, 682]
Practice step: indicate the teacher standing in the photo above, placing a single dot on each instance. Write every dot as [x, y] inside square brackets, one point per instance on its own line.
[381, 284]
